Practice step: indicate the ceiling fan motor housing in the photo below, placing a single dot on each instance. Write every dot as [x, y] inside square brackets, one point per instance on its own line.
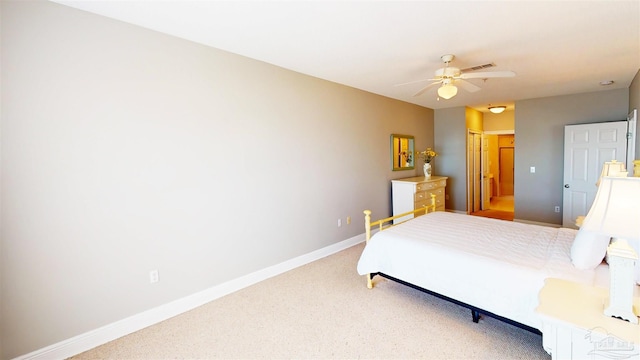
[448, 72]
[447, 58]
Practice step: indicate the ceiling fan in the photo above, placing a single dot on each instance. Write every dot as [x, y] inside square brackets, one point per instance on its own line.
[448, 77]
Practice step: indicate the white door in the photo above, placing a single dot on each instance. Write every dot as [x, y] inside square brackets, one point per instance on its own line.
[469, 172]
[474, 172]
[486, 198]
[586, 148]
[477, 173]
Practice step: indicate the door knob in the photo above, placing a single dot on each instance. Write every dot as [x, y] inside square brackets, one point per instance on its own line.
[566, 186]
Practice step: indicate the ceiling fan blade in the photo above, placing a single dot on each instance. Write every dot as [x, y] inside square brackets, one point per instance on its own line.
[415, 82]
[487, 74]
[422, 91]
[467, 85]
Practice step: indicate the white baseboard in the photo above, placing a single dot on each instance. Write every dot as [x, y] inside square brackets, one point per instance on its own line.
[102, 335]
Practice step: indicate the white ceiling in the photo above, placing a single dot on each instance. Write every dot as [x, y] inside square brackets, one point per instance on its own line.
[554, 47]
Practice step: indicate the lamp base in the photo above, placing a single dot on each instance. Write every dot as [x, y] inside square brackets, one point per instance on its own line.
[621, 259]
[621, 313]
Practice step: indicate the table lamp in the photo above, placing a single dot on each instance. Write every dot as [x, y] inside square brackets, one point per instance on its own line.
[616, 212]
[612, 168]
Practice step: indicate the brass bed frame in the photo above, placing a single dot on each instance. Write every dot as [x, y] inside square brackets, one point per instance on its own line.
[386, 223]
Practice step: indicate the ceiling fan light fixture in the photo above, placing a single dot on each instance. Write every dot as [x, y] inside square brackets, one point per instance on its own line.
[497, 109]
[447, 91]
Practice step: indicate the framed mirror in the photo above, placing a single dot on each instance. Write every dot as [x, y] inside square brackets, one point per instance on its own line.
[402, 152]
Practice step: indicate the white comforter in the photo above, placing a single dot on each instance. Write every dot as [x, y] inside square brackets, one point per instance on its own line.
[495, 265]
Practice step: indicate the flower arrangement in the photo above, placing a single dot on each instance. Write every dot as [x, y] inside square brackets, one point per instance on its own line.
[407, 156]
[427, 155]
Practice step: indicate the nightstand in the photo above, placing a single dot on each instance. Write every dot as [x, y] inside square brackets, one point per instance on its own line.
[574, 326]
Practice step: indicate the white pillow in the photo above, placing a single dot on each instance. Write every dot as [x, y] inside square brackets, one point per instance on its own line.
[588, 249]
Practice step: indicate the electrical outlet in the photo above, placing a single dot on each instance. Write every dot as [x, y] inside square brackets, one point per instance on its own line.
[532, 169]
[154, 276]
[339, 222]
[557, 209]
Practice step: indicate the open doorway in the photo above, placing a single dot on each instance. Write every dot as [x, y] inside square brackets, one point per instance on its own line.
[503, 200]
[498, 163]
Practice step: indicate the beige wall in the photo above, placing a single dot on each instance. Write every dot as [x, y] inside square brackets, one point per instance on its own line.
[503, 122]
[539, 129]
[539, 142]
[451, 145]
[473, 119]
[125, 150]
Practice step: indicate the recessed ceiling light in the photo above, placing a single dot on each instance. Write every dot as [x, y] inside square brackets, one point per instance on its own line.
[606, 82]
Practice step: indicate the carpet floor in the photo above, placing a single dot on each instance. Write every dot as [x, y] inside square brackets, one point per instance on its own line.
[324, 310]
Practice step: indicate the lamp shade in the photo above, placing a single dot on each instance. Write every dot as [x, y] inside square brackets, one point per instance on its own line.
[447, 91]
[612, 168]
[616, 208]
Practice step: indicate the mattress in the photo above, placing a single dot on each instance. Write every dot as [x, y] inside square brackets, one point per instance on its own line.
[495, 265]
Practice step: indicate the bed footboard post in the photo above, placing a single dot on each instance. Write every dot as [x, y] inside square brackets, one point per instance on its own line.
[367, 224]
[367, 231]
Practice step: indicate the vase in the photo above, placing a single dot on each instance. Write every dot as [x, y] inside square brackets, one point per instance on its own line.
[427, 170]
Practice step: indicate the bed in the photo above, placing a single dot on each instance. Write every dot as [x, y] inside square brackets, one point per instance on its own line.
[490, 266]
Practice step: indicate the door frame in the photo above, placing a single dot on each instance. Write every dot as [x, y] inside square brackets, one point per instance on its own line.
[483, 162]
[472, 159]
[502, 132]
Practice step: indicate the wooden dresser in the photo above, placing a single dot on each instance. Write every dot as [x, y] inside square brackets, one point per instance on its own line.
[412, 193]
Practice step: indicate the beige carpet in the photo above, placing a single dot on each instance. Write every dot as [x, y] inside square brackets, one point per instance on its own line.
[324, 311]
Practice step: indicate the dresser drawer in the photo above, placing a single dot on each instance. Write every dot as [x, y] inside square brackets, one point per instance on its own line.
[427, 201]
[426, 195]
[425, 186]
[431, 185]
[420, 196]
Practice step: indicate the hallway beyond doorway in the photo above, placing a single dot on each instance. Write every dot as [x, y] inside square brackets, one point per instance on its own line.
[502, 203]
[501, 208]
